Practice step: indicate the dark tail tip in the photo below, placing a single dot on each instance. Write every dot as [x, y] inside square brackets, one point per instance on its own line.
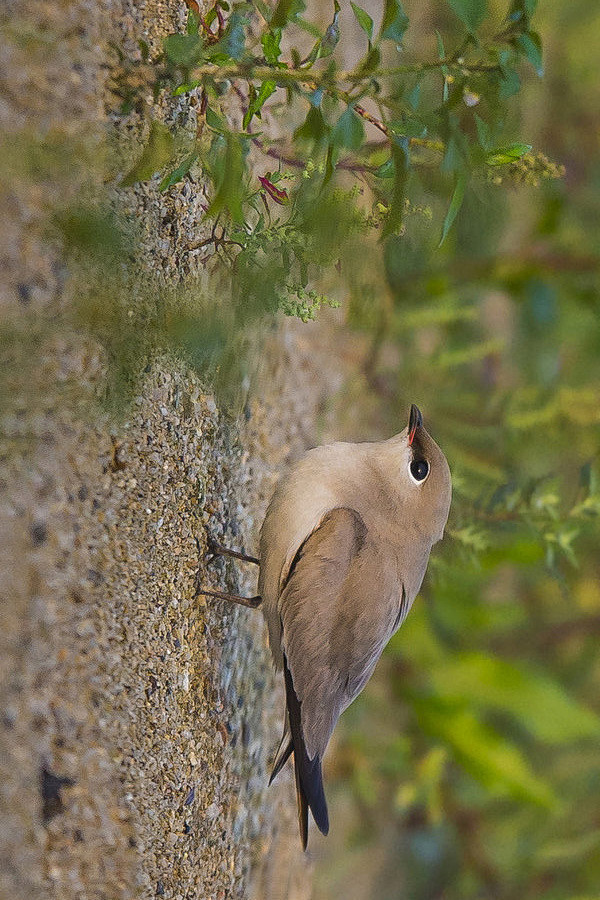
[302, 811]
[316, 798]
[309, 776]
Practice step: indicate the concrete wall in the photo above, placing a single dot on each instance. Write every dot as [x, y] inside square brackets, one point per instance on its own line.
[137, 719]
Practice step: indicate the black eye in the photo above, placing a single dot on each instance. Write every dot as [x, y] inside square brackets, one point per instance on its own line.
[419, 469]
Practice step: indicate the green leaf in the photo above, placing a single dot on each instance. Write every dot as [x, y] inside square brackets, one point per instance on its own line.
[440, 45]
[442, 55]
[155, 155]
[504, 155]
[401, 159]
[455, 205]
[183, 49]
[364, 20]
[308, 27]
[326, 44]
[254, 107]
[485, 754]
[531, 45]
[286, 11]
[457, 153]
[408, 127]
[395, 21]
[332, 34]
[370, 62]
[348, 130]
[472, 352]
[470, 12]
[232, 44]
[192, 22]
[270, 41]
[386, 169]
[521, 10]
[214, 162]
[414, 96]
[484, 132]
[230, 188]
[539, 703]
[186, 87]
[264, 9]
[565, 848]
[314, 128]
[510, 83]
[215, 121]
[177, 174]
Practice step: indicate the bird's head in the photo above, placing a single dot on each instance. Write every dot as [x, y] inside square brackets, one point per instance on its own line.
[425, 477]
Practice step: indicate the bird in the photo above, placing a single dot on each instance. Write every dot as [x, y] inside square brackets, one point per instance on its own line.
[343, 551]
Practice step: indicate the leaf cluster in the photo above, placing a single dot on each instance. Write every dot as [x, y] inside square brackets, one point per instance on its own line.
[389, 128]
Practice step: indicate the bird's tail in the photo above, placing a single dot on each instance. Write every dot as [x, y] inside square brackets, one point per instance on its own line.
[283, 751]
[309, 777]
[302, 803]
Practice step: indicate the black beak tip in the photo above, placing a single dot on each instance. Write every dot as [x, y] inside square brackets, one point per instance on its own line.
[415, 420]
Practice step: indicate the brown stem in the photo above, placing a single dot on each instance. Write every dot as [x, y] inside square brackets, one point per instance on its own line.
[362, 112]
[413, 141]
[295, 163]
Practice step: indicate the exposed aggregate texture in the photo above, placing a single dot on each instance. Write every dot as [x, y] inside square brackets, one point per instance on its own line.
[137, 718]
[152, 709]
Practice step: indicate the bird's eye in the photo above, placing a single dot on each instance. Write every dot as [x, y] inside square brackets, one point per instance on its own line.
[419, 470]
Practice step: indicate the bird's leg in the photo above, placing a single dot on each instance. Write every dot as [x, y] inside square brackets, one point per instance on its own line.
[250, 602]
[216, 549]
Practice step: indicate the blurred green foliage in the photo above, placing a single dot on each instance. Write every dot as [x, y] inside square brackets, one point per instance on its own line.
[293, 203]
[474, 756]
[326, 193]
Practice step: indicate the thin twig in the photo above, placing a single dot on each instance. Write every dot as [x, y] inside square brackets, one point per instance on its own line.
[413, 141]
[312, 79]
[295, 163]
[361, 111]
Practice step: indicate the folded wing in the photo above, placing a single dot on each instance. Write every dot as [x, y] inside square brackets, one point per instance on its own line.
[338, 608]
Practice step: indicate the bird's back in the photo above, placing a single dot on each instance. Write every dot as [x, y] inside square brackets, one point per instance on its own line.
[315, 484]
[338, 475]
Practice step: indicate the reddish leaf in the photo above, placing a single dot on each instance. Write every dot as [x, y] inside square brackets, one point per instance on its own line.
[273, 192]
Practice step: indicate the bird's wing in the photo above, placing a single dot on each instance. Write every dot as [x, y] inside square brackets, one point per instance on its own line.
[339, 606]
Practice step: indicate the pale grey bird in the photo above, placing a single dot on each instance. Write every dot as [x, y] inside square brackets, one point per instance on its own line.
[343, 551]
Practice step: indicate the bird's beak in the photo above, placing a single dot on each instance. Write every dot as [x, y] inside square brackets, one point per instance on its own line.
[415, 420]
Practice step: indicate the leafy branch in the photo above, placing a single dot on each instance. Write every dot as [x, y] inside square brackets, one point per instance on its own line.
[232, 54]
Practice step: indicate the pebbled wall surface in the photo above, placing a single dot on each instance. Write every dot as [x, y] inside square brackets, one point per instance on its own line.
[137, 720]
